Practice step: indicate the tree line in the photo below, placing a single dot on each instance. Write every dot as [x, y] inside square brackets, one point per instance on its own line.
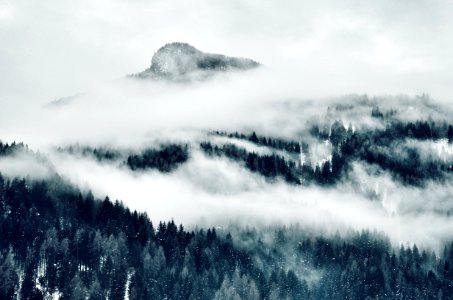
[9, 149]
[260, 140]
[165, 158]
[270, 166]
[385, 148]
[56, 240]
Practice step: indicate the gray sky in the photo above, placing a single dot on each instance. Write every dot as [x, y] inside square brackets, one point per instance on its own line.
[55, 48]
[311, 51]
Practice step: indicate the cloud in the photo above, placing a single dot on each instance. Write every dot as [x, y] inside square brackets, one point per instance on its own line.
[25, 165]
[218, 192]
[61, 48]
[313, 54]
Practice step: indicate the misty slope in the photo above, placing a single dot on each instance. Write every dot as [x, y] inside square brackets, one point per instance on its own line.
[59, 243]
[57, 240]
[349, 164]
[282, 151]
[398, 149]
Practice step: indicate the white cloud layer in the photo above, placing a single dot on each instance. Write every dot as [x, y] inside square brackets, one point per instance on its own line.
[311, 51]
[59, 48]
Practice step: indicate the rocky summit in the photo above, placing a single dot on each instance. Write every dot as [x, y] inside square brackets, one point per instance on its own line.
[181, 60]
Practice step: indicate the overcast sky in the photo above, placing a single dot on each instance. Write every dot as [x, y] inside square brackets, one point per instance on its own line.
[310, 50]
[55, 48]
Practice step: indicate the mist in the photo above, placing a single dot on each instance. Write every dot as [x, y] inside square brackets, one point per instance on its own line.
[315, 58]
[382, 48]
[215, 191]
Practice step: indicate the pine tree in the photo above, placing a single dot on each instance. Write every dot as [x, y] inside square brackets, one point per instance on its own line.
[9, 280]
[450, 134]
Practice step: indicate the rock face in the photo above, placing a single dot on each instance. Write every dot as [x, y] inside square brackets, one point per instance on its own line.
[181, 59]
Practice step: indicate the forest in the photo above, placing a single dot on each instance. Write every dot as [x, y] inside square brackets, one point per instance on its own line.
[226, 150]
[165, 158]
[55, 239]
[384, 148]
[275, 143]
[59, 241]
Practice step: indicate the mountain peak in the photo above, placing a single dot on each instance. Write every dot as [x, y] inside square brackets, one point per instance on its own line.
[181, 59]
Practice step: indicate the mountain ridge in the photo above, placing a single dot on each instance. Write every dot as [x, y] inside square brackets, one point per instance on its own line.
[177, 59]
[180, 62]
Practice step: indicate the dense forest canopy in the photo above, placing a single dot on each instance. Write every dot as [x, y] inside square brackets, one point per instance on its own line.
[57, 240]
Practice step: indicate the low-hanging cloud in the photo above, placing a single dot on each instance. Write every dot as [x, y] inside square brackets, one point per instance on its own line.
[312, 55]
[210, 191]
[62, 48]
